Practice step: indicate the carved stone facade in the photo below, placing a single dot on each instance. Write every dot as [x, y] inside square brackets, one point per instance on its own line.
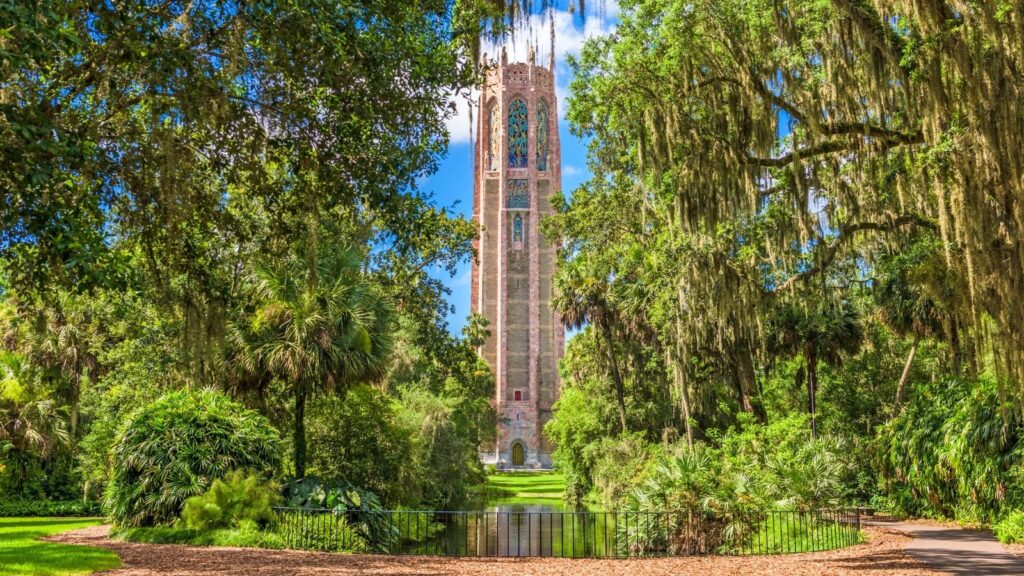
[518, 169]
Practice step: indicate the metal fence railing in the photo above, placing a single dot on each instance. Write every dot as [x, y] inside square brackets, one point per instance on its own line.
[568, 534]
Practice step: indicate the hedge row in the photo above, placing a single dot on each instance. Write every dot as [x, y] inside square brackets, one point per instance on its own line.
[49, 508]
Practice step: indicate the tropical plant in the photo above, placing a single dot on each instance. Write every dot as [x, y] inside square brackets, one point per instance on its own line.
[580, 298]
[31, 426]
[819, 331]
[318, 324]
[237, 500]
[175, 447]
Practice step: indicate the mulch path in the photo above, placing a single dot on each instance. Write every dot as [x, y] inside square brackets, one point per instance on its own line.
[882, 554]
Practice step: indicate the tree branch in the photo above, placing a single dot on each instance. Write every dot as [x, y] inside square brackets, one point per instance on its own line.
[845, 234]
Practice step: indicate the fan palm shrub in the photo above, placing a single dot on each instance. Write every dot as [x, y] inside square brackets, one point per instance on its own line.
[175, 447]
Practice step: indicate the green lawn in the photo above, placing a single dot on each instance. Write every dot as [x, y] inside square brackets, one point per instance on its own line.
[22, 553]
[784, 533]
[527, 484]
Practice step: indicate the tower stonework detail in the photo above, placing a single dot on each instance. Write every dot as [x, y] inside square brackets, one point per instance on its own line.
[518, 170]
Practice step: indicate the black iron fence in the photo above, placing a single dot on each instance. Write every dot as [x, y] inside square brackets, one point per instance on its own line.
[568, 534]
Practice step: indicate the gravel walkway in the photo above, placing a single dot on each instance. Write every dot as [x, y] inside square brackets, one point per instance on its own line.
[882, 555]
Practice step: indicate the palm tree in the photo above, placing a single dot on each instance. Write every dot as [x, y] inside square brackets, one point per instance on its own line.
[66, 345]
[821, 331]
[31, 425]
[319, 325]
[907, 309]
[581, 297]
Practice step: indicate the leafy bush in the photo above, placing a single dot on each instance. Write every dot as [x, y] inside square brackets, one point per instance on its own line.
[1010, 530]
[246, 537]
[357, 439]
[622, 465]
[325, 532]
[954, 451]
[231, 502]
[173, 448]
[9, 508]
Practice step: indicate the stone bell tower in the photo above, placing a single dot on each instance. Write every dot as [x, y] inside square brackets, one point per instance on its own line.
[518, 170]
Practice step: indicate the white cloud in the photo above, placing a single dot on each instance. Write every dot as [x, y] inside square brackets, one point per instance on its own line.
[571, 170]
[570, 34]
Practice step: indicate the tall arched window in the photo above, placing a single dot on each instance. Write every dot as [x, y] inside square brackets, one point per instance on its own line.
[542, 136]
[518, 131]
[494, 137]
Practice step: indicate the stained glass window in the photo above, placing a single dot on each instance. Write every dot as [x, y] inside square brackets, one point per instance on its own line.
[494, 138]
[518, 194]
[518, 130]
[542, 136]
[517, 228]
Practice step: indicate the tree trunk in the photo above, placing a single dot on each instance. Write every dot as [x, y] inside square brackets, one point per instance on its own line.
[812, 385]
[76, 394]
[684, 399]
[906, 373]
[616, 377]
[300, 432]
[743, 374]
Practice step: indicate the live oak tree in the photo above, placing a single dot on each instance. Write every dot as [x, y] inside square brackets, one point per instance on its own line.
[777, 142]
[179, 138]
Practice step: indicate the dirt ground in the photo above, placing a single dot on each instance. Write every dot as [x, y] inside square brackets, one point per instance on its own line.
[882, 554]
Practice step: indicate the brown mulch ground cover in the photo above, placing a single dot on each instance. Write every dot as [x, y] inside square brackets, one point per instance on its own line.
[881, 555]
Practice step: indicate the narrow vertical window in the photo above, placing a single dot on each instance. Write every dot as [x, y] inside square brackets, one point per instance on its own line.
[542, 136]
[494, 138]
[517, 229]
[518, 131]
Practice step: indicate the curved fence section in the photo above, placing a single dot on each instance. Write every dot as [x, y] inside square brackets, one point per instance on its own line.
[568, 534]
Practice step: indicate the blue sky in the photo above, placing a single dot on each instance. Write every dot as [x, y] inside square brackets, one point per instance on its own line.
[452, 185]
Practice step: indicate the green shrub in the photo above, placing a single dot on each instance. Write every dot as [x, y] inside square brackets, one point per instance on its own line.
[1010, 530]
[955, 452]
[324, 532]
[358, 439]
[173, 448]
[10, 508]
[416, 527]
[245, 537]
[231, 501]
[622, 465]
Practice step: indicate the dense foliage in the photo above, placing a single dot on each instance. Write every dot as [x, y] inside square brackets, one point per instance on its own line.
[205, 195]
[176, 447]
[238, 500]
[797, 207]
[42, 508]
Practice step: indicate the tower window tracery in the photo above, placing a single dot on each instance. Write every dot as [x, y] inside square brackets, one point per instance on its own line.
[518, 132]
[518, 194]
[494, 138]
[542, 136]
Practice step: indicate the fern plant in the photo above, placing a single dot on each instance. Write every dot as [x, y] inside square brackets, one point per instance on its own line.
[238, 500]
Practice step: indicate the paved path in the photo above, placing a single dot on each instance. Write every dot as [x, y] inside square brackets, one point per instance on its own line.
[957, 550]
